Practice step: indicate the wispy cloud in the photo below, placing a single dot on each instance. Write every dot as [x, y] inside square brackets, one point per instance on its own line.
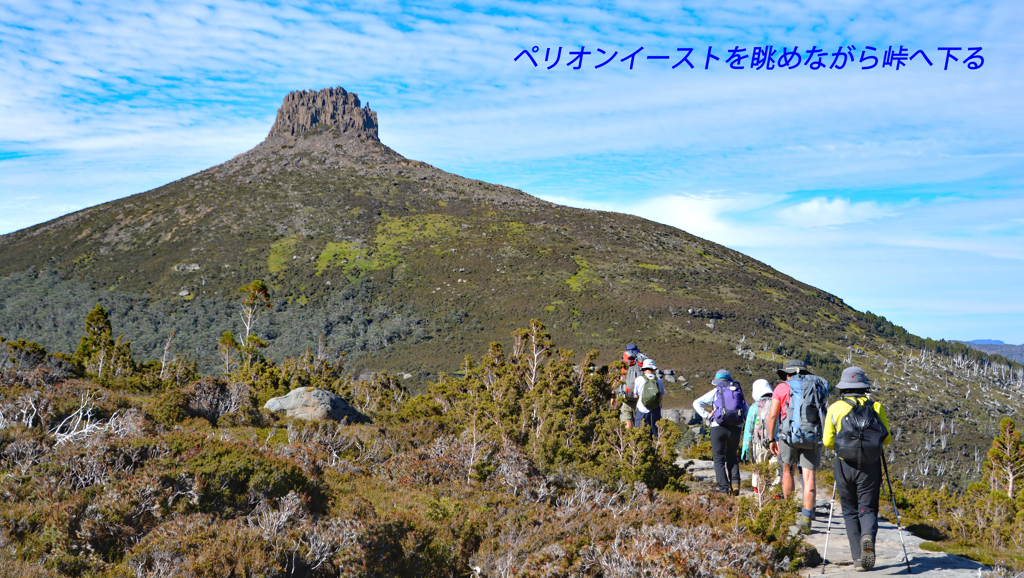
[825, 212]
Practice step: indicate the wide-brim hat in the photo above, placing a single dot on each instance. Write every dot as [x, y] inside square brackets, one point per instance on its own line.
[793, 366]
[853, 378]
[761, 388]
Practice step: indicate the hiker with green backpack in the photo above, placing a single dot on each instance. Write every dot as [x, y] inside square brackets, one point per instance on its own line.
[795, 429]
[728, 410]
[857, 429]
[649, 391]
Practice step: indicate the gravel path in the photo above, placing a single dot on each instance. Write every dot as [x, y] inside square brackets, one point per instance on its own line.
[889, 560]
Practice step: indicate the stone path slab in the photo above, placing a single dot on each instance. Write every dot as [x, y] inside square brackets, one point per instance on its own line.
[889, 560]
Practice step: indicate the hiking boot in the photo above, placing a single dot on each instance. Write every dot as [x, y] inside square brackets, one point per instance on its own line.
[803, 526]
[857, 567]
[867, 552]
[735, 489]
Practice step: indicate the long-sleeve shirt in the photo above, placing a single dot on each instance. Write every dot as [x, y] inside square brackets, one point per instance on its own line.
[638, 386]
[748, 426]
[705, 406]
[838, 410]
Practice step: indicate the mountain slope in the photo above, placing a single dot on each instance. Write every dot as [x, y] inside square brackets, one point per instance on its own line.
[322, 210]
[1011, 352]
[408, 268]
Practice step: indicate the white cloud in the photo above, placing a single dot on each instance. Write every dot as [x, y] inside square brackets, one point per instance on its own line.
[711, 216]
[823, 212]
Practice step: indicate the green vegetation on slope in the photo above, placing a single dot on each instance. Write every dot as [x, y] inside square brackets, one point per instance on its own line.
[197, 481]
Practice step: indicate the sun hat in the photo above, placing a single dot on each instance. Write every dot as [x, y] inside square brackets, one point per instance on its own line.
[853, 378]
[793, 366]
[723, 374]
[649, 364]
[761, 388]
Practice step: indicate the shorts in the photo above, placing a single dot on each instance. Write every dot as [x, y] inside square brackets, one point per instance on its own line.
[627, 411]
[809, 459]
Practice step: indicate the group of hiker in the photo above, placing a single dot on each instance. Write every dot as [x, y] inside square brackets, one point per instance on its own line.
[788, 424]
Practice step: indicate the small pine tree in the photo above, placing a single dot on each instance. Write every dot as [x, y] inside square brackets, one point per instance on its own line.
[249, 345]
[226, 347]
[1006, 458]
[97, 334]
[99, 353]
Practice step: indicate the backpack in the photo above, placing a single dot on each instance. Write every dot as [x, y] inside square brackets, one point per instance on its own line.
[729, 404]
[859, 441]
[651, 395]
[760, 431]
[626, 388]
[802, 428]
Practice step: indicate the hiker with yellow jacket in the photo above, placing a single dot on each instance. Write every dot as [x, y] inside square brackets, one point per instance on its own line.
[857, 428]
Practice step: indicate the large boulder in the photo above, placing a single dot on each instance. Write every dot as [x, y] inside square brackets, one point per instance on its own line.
[670, 414]
[689, 417]
[315, 404]
[682, 417]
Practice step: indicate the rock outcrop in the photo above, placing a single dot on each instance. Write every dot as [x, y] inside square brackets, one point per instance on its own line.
[315, 404]
[330, 108]
[682, 417]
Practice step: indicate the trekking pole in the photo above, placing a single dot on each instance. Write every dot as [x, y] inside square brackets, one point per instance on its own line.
[893, 496]
[828, 531]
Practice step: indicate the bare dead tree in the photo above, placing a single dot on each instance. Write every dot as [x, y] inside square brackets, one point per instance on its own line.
[167, 351]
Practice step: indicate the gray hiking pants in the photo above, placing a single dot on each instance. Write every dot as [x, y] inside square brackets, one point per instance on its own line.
[858, 491]
[725, 445]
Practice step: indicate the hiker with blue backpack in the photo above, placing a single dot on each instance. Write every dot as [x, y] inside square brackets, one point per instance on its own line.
[795, 429]
[857, 429]
[649, 389]
[728, 410]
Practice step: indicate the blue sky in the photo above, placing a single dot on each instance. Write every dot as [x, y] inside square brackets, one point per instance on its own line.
[899, 191]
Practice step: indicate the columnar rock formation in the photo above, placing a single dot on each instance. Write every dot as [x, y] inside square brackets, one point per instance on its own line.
[333, 108]
[326, 128]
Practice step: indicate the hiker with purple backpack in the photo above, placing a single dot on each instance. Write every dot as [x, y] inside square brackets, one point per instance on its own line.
[728, 411]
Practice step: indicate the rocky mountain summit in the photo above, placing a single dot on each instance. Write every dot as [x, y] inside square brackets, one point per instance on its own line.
[330, 108]
[327, 130]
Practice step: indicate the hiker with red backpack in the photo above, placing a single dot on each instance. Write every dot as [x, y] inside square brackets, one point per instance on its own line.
[728, 410]
[795, 429]
[754, 447]
[857, 429]
[625, 391]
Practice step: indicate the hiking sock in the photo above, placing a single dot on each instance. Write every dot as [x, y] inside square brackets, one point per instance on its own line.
[867, 551]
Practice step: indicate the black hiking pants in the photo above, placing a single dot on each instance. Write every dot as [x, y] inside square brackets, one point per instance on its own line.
[725, 445]
[858, 491]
